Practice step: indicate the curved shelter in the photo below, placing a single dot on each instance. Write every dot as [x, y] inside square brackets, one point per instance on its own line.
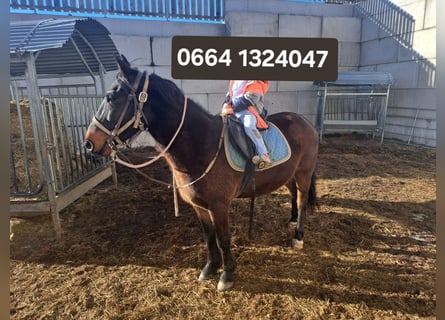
[57, 70]
[61, 47]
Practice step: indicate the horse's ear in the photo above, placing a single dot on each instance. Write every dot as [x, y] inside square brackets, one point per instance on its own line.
[123, 64]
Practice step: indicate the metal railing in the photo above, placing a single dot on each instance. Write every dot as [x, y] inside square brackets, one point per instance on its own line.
[26, 177]
[390, 18]
[329, 1]
[64, 119]
[191, 10]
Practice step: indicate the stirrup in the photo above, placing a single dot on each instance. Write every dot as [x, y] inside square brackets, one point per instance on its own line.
[260, 162]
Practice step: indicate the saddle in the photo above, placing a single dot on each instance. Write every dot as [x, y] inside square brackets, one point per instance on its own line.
[240, 149]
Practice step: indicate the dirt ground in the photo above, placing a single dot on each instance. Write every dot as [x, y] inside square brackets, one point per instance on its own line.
[370, 249]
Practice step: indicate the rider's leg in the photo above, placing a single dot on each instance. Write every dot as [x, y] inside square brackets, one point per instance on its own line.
[249, 122]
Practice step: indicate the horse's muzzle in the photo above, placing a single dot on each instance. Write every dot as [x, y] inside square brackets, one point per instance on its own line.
[96, 142]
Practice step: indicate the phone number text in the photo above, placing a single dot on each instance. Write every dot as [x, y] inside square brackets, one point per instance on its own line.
[254, 58]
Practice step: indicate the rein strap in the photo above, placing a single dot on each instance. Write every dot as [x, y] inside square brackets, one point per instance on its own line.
[161, 154]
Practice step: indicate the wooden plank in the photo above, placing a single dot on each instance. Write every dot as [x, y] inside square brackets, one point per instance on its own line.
[67, 197]
[31, 208]
[21, 209]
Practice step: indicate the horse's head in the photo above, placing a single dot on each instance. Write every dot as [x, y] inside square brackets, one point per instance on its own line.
[120, 115]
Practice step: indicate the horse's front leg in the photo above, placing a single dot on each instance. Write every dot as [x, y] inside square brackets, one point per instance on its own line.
[215, 223]
[214, 260]
[220, 217]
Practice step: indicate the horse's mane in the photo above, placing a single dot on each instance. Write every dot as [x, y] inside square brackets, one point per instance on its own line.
[169, 92]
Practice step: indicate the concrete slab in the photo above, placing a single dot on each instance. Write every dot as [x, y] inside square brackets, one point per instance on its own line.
[135, 48]
[204, 86]
[284, 86]
[405, 73]
[282, 101]
[162, 51]
[425, 98]
[299, 26]
[369, 29]
[343, 28]
[215, 101]
[349, 54]
[379, 51]
[252, 24]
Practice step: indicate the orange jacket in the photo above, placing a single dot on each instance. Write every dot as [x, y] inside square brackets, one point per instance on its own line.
[252, 86]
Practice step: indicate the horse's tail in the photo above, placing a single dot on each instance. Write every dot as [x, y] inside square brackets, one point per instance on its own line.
[312, 203]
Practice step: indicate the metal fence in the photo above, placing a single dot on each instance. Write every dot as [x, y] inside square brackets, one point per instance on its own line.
[390, 18]
[352, 109]
[356, 101]
[66, 119]
[63, 120]
[329, 1]
[196, 10]
[191, 10]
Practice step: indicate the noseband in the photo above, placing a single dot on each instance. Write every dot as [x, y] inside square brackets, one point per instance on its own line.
[135, 120]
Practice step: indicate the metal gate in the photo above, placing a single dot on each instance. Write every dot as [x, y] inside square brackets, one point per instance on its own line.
[356, 101]
[49, 168]
[48, 165]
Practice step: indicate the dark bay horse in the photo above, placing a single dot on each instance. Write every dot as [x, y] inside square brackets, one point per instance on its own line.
[138, 101]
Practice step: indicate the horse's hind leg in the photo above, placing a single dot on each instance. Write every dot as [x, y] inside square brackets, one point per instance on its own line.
[292, 187]
[297, 241]
[299, 189]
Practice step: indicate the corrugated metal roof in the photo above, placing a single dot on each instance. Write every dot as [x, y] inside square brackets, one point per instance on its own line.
[56, 42]
[359, 78]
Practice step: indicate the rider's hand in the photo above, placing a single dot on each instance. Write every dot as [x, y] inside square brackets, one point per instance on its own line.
[226, 110]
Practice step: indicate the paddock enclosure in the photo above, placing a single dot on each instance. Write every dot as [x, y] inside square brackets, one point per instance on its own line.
[369, 253]
[57, 82]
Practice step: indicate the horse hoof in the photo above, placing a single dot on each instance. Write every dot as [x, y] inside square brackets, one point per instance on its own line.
[204, 276]
[297, 244]
[208, 272]
[224, 286]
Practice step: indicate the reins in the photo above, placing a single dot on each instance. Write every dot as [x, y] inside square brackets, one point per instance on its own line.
[163, 152]
[137, 123]
[115, 157]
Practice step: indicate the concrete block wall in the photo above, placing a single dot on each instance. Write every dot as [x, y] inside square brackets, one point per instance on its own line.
[412, 104]
[363, 45]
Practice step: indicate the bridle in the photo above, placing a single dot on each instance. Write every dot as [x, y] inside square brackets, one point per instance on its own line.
[136, 121]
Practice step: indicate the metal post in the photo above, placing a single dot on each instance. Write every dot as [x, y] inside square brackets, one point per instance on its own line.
[384, 113]
[36, 113]
[323, 106]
